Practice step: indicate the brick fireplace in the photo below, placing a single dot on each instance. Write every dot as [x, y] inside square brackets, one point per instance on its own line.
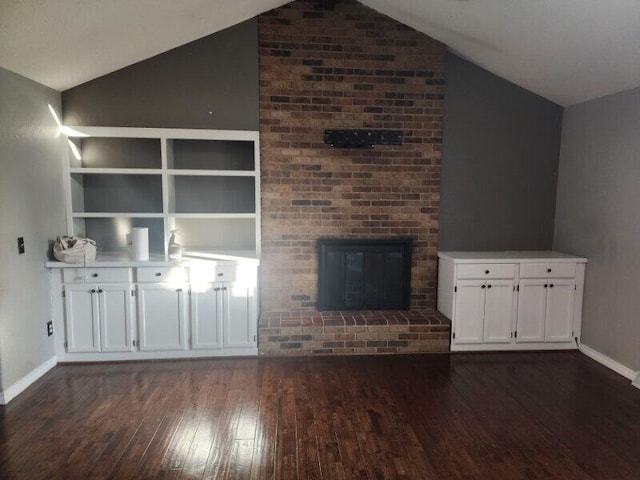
[345, 68]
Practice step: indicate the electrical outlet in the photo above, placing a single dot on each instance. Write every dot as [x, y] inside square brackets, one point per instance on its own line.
[49, 328]
[20, 245]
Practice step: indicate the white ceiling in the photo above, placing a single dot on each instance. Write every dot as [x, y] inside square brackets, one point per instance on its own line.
[63, 43]
[568, 51]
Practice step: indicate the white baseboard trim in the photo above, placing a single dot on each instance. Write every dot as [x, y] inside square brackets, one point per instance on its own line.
[21, 385]
[611, 363]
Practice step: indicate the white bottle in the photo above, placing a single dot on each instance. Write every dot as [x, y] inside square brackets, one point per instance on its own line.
[175, 249]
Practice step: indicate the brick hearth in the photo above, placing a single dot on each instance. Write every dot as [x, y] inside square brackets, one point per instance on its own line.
[307, 332]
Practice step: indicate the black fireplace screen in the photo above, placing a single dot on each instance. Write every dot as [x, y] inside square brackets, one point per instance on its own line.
[364, 274]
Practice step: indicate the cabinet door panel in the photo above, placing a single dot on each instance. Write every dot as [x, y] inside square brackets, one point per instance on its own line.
[531, 310]
[238, 313]
[81, 310]
[559, 326]
[162, 312]
[469, 304]
[115, 318]
[206, 317]
[498, 311]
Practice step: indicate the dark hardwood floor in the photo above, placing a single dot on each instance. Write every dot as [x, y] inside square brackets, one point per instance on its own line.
[472, 416]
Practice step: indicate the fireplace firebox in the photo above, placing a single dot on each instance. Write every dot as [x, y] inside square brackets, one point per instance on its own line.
[364, 274]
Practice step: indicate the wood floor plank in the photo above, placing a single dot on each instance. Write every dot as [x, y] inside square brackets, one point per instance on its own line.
[538, 415]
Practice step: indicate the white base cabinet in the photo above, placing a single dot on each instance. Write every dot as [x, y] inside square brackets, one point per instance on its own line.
[155, 312]
[545, 310]
[162, 315]
[238, 307]
[206, 317]
[222, 316]
[498, 308]
[98, 318]
[511, 300]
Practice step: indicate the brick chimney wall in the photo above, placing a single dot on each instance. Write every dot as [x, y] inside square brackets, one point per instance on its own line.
[350, 67]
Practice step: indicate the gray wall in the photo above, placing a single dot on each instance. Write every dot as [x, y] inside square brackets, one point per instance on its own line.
[179, 88]
[32, 206]
[598, 216]
[499, 163]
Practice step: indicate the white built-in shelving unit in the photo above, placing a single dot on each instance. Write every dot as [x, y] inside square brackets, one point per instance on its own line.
[204, 183]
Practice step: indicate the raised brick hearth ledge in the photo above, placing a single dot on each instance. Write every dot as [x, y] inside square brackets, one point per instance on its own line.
[307, 332]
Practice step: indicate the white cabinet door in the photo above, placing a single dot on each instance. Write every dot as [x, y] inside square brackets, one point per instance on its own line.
[82, 318]
[162, 313]
[498, 311]
[238, 315]
[115, 318]
[469, 311]
[206, 317]
[559, 312]
[531, 310]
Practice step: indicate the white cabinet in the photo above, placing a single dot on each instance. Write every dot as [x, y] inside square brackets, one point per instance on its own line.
[98, 318]
[484, 311]
[161, 316]
[470, 298]
[531, 311]
[239, 315]
[559, 318]
[545, 310]
[511, 300]
[159, 310]
[499, 313]
[223, 315]
[82, 320]
[206, 317]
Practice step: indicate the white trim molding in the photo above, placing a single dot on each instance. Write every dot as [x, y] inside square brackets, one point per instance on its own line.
[612, 364]
[21, 385]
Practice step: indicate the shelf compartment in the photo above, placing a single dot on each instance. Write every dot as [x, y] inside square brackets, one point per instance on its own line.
[109, 152]
[116, 171]
[211, 154]
[216, 234]
[98, 193]
[213, 173]
[210, 194]
[116, 214]
[110, 233]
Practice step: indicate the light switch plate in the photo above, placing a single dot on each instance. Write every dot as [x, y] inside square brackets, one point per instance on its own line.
[20, 245]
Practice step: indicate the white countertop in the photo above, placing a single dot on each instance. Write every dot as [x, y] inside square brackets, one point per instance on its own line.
[191, 257]
[511, 256]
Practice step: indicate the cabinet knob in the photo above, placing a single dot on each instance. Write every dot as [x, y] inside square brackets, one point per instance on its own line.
[158, 274]
[483, 286]
[94, 275]
[100, 291]
[178, 290]
[548, 270]
[488, 286]
[223, 288]
[551, 286]
[217, 289]
[545, 285]
[93, 291]
[221, 274]
[486, 271]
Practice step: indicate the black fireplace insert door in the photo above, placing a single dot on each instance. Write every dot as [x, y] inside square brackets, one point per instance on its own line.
[364, 274]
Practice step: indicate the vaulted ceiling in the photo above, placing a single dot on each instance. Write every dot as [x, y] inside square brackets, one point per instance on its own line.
[568, 51]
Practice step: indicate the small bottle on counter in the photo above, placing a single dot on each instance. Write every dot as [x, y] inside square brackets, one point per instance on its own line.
[175, 249]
